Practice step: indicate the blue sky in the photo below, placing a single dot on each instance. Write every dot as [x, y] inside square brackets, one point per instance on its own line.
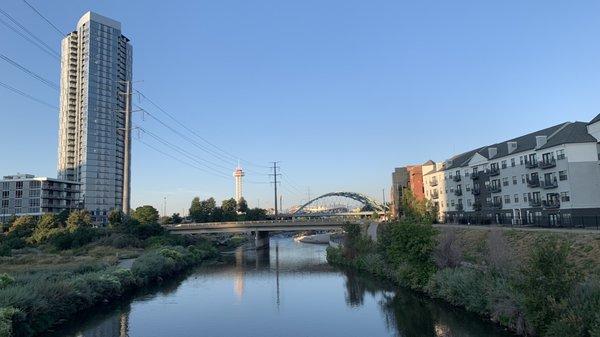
[340, 92]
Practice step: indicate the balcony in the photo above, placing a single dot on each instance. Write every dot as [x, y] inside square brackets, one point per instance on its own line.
[531, 164]
[494, 204]
[435, 196]
[551, 204]
[476, 191]
[548, 184]
[495, 188]
[535, 203]
[458, 193]
[475, 175]
[535, 182]
[494, 171]
[545, 164]
[456, 178]
[477, 206]
[460, 207]
[433, 183]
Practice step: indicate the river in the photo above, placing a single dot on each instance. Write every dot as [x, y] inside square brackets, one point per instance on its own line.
[288, 290]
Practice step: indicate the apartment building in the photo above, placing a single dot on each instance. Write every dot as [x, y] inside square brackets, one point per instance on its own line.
[551, 175]
[25, 194]
[96, 68]
[403, 178]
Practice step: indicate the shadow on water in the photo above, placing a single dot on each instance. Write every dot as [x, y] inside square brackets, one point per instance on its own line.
[411, 314]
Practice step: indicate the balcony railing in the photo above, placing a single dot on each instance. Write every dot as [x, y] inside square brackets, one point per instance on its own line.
[458, 193]
[531, 164]
[475, 175]
[477, 206]
[494, 204]
[551, 204]
[435, 196]
[460, 207]
[495, 188]
[494, 171]
[433, 183]
[456, 178]
[476, 191]
[535, 203]
[535, 182]
[544, 164]
[548, 184]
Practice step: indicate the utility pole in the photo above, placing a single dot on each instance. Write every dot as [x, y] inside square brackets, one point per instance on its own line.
[165, 206]
[127, 154]
[275, 174]
[281, 202]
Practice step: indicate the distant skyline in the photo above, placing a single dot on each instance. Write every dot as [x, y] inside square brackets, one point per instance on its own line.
[340, 92]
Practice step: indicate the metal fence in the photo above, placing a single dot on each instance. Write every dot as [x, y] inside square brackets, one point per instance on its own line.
[541, 221]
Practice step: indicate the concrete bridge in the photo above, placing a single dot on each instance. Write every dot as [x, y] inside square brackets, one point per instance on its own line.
[262, 228]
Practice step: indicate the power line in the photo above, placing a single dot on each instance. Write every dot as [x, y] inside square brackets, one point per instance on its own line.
[45, 19]
[177, 159]
[232, 156]
[40, 44]
[24, 94]
[29, 72]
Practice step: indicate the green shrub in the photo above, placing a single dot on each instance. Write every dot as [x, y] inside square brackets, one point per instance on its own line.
[7, 316]
[409, 251]
[121, 240]
[462, 287]
[548, 279]
[6, 280]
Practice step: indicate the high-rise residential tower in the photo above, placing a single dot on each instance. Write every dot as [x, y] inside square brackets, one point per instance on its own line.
[238, 174]
[95, 77]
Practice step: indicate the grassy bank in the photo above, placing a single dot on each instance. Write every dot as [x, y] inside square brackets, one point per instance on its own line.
[50, 272]
[532, 283]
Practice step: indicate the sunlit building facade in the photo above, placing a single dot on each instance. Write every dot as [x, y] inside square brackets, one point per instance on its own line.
[95, 72]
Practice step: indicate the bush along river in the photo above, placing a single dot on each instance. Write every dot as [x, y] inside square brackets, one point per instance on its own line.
[286, 290]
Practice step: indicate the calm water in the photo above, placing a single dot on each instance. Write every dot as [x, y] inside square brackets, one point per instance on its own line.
[288, 290]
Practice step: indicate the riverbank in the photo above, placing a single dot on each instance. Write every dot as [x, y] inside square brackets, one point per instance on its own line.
[532, 283]
[40, 290]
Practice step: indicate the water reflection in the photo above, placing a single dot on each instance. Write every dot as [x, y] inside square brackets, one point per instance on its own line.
[286, 290]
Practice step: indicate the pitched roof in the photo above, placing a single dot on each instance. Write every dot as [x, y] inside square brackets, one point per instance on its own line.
[596, 119]
[572, 133]
[429, 162]
[564, 133]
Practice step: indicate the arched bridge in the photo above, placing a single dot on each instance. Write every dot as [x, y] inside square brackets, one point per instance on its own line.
[369, 204]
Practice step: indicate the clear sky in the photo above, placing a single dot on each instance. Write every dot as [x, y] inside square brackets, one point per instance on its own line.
[339, 91]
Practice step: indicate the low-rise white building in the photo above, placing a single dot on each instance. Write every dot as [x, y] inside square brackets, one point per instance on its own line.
[551, 176]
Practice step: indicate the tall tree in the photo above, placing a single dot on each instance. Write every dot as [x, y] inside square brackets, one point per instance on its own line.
[229, 208]
[209, 207]
[176, 218]
[146, 215]
[242, 205]
[196, 210]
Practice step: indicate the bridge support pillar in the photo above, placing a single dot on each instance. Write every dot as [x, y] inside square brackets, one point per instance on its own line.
[261, 239]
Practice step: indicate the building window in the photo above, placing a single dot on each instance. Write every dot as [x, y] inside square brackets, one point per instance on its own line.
[507, 199]
[516, 198]
[34, 193]
[5, 185]
[468, 187]
[469, 202]
[524, 197]
[5, 194]
[19, 194]
[34, 202]
[564, 197]
[520, 160]
[19, 185]
[523, 178]
[18, 202]
[514, 180]
[562, 175]
[504, 164]
[560, 154]
[35, 184]
[505, 181]
[4, 203]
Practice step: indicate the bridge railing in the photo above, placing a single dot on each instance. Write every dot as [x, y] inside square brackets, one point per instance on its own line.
[261, 222]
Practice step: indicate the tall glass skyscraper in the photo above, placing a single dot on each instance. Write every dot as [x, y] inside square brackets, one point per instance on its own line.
[95, 72]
